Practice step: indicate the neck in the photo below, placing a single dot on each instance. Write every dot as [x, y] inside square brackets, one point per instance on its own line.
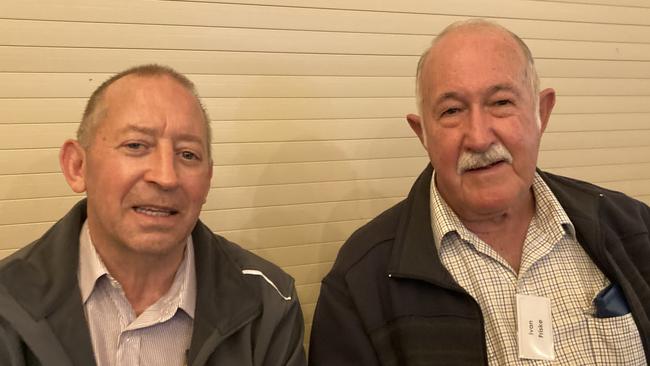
[144, 277]
[505, 231]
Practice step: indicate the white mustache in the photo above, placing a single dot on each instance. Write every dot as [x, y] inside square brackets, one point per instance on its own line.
[472, 160]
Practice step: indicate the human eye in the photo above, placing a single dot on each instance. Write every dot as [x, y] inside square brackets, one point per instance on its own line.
[450, 111]
[189, 155]
[135, 147]
[503, 102]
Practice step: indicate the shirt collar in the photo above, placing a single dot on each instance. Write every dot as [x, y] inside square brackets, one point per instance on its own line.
[92, 268]
[548, 211]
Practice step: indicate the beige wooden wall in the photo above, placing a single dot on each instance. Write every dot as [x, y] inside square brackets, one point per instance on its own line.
[307, 99]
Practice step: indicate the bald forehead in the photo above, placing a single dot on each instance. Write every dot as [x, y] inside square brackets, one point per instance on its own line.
[472, 36]
[140, 84]
[451, 51]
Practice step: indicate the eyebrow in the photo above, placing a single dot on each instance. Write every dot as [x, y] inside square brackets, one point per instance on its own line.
[136, 128]
[503, 87]
[445, 96]
[491, 91]
[152, 132]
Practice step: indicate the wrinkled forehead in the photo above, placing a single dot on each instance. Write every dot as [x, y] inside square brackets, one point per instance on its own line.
[474, 49]
[152, 94]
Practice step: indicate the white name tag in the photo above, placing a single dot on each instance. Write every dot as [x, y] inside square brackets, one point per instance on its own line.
[534, 328]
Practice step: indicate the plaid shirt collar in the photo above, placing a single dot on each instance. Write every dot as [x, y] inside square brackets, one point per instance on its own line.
[548, 212]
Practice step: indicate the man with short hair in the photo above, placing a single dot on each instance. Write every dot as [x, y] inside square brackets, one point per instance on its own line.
[489, 260]
[130, 276]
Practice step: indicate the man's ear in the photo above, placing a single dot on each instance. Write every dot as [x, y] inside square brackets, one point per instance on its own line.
[72, 159]
[546, 104]
[415, 122]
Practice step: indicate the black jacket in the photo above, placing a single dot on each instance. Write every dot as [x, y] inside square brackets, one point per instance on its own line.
[239, 319]
[388, 300]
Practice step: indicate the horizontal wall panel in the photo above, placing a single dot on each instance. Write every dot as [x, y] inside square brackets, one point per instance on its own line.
[47, 135]
[61, 34]
[590, 157]
[308, 273]
[69, 110]
[110, 35]
[605, 173]
[308, 293]
[588, 86]
[29, 161]
[310, 130]
[630, 3]
[592, 68]
[598, 122]
[248, 175]
[293, 235]
[35, 210]
[308, 310]
[81, 85]
[291, 152]
[296, 214]
[55, 59]
[301, 254]
[17, 236]
[18, 186]
[595, 139]
[47, 59]
[300, 18]
[273, 195]
[601, 104]
[16, 110]
[499, 8]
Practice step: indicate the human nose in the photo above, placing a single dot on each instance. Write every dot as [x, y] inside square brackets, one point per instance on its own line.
[162, 169]
[479, 135]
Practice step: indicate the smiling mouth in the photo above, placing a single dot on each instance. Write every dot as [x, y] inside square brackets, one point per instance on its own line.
[155, 211]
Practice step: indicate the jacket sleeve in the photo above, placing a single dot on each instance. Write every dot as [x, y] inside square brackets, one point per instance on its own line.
[286, 348]
[338, 336]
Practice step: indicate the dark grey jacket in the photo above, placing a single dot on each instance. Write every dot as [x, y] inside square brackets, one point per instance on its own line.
[239, 319]
[389, 301]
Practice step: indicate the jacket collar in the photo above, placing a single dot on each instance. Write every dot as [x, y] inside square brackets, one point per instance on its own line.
[224, 303]
[414, 254]
[582, 203]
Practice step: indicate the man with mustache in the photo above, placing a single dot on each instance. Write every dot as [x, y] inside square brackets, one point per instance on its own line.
[489, 260]
[130, 276]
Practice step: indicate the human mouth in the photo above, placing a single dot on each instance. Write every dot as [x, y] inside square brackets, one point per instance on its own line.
[155, 211]
[486, 166]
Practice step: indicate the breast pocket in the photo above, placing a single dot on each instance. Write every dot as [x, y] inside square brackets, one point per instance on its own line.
[616, 341]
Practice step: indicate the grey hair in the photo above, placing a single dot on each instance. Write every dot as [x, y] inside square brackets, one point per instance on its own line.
[531, 71]
[95, 108]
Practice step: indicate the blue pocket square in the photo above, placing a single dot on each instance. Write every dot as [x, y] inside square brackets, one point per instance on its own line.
[610, 302]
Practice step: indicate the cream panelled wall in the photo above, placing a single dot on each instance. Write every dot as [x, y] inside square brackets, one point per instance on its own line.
[307, 99]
